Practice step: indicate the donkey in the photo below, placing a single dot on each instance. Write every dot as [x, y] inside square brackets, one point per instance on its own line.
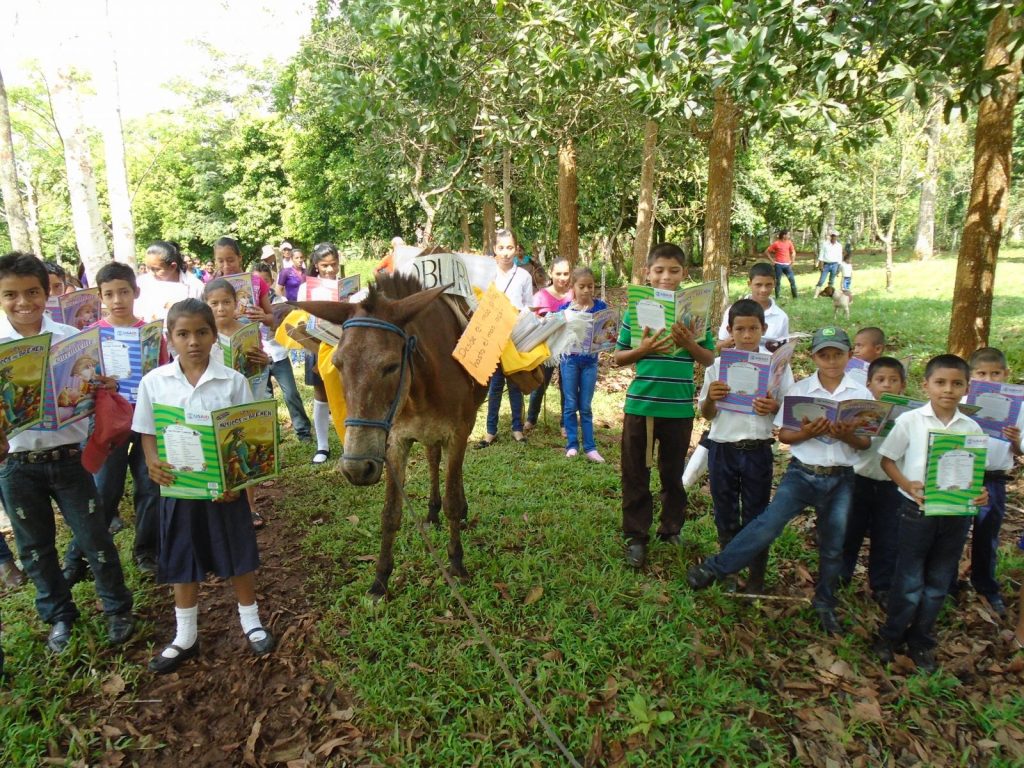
[402, 385]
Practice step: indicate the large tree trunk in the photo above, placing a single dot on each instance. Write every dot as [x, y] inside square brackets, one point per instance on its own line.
[718, 212]
[121, 224]
[490, 213]
[32, 208]
[971, 317]
[506, 188]
[568, 210]
[924, 246]
[645, 205]
[85, 207]
[467, 240]
[17, 224]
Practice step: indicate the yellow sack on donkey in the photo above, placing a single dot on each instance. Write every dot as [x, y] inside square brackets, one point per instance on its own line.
[295, 319]
[514, 361]
[334, 387]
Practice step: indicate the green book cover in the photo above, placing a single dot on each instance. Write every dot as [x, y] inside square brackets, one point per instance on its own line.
[186, 442]
[24, 368]
[658, 309]
[954, 474]
[247, 438]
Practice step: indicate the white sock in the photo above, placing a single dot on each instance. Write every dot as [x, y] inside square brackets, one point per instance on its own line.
[321, 424]
[250, 616]
[187, 633]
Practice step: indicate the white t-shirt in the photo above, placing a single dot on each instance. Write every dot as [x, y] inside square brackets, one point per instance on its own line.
[847, 268]
[517, 284]
[774, 317]
[729, 426]
[869, 463]
[816, 451]
[218, 387]
[831, 253]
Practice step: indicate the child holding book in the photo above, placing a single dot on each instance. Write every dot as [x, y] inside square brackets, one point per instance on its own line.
[740, 461]
[198, 537]
[659, 407]
[876, 499]
[989, 364]
[928, 548]
[46, 466]
[761, 281]
[118, 291]
[820, 475]
[579, 375]
[548, 300]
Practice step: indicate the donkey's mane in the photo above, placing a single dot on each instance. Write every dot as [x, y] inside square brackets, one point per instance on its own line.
[393, 286]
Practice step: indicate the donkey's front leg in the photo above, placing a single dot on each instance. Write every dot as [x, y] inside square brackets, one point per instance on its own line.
[391, 517]
[434, 464]
[455, 506]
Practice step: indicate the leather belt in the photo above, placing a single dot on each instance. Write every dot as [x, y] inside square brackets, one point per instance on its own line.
[750, 445]
[815, 469]
[47, 455]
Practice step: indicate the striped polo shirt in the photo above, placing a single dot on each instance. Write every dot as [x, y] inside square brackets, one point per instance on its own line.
[663, 385]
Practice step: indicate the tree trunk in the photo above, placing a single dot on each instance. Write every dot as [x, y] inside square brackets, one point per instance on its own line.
[490, 213]
[85, 207]
[645, 205]
[718, 212]
[17, 225]
[32, 208]
[121, 224]
[971, 317]
[568, 210]
[467, 240]
[924, 246]
[506, 188]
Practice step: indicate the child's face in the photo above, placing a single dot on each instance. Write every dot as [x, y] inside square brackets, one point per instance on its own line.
[761, 289]
[885, 381]
[583, 290]
[989, 372]
[228, 262]
[166, 273]
[865, 348]
[831, 362]
[665, 274]
[119, 297]
[192, 338]
[560, 276]
[23, 299]
[945, 388]
[328, 266]
[223, 305]
[504, 253]
[747, 333]
[56, 285]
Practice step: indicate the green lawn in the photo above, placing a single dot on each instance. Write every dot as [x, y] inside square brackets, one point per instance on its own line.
[629, 668]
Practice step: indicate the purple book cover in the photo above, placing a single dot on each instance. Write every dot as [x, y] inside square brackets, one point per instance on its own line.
[999, 406]
[75, 362]
[747, 374]
[857, 370]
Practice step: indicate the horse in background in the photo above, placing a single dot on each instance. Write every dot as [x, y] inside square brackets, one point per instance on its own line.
[402, 385]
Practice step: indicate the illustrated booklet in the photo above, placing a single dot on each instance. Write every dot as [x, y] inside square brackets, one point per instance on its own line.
[869, 415]
[79, 309]
[74, 364]
[129, 354]
[999, 405]
[751, 375]
[658, 309]
[601, 333]
[24, 372]
[955, 473]
[246, 289]
[236, 346]
[325, 289]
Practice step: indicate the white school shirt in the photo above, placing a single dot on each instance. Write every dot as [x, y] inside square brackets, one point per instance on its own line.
[816, 451]
[729, 426]
[218, 387]
[774, 317]
[907, 444]
[41, 439]
[869, 463]
[517, 285]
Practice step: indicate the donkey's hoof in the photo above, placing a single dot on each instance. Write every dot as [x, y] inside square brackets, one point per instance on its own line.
[371, 601]
[458, 571]
[434, 514]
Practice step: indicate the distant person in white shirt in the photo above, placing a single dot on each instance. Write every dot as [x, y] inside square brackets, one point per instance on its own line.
[830, 259]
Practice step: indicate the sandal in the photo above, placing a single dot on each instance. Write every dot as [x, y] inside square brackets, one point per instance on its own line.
[321, 457]
[257, 520]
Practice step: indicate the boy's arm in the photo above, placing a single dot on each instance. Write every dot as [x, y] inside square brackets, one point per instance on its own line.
[683, 337]
[845, 432]
[915, 488]
[809, 431]
[658, 344]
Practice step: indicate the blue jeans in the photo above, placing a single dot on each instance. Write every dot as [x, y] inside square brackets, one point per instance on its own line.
[787, 270]
[874, 513]
[929, 553]
[537, 396]
[29, 490]
[832, 270]
[741, 485]
[985, 539]
[109, 490]
[829, 495]
[282, 371]
[515, 399]
[5, 551]
[579, 379]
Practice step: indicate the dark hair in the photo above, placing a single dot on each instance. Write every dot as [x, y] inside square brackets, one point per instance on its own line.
[503, 233]
[761, 269]
[987, 355]
[783, 232]
[263, 269]
[228, 242]
[746, 308]
[947, 361]
[190, 308]
[219, 284]
[582, 272]
[667, 251]
[168, 252]
[53, 268]
[877, 335]
[19, 264]
[115, 270]
[887, 362]
[320, 252]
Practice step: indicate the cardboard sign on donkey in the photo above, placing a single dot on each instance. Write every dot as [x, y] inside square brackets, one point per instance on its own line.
[479, 348]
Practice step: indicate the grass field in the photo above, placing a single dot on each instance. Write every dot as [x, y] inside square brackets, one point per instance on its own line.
[630, 668]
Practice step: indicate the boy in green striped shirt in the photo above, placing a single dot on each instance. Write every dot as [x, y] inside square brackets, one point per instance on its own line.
[659, 406]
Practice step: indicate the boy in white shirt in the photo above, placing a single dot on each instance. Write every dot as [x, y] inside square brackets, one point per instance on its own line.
[929, 548]
[820, 475]
[740, 460]
[761, 281]
[47, 464]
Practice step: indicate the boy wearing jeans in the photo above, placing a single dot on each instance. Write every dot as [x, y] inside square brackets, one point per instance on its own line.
[820, 475]
[929, 548]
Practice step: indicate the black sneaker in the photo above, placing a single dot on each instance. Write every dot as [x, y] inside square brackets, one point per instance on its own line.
[116, 525]
[924, 659]
[830, 623]
[997, 604]
[76, 572]
[883, 649]
[700, 576]
[636, 553]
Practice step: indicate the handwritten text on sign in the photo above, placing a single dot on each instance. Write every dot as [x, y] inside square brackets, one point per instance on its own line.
[480, 345]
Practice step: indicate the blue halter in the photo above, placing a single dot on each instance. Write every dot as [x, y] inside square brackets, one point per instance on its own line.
[409, 346]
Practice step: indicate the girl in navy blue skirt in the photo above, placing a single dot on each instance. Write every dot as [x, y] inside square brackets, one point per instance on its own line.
[198, 537]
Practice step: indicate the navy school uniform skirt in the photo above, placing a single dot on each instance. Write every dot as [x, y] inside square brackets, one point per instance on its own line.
[312, 373]
[199, 537]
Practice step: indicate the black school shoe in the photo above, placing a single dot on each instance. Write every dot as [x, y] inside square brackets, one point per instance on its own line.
[120, 628]
[60, 636]
[260, 647]
[883, 649]
[163, 665]
[636, 553]
[700, 576]
[924, 659]
[75, 572]
[997, 604]
[830, 623]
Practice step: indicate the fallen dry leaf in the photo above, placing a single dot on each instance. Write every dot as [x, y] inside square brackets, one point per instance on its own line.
[533, 595]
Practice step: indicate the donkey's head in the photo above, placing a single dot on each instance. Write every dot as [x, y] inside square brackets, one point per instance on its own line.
[375, 358]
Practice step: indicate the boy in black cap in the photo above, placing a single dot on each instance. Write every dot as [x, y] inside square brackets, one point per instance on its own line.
[820, 475]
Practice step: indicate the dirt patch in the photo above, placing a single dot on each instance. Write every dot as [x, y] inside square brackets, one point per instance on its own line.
[229, 707]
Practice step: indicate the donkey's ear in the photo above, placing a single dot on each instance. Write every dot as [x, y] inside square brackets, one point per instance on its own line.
[404, 310]
[332, 311]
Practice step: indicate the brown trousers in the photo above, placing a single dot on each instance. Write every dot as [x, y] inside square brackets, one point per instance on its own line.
[673, 438]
